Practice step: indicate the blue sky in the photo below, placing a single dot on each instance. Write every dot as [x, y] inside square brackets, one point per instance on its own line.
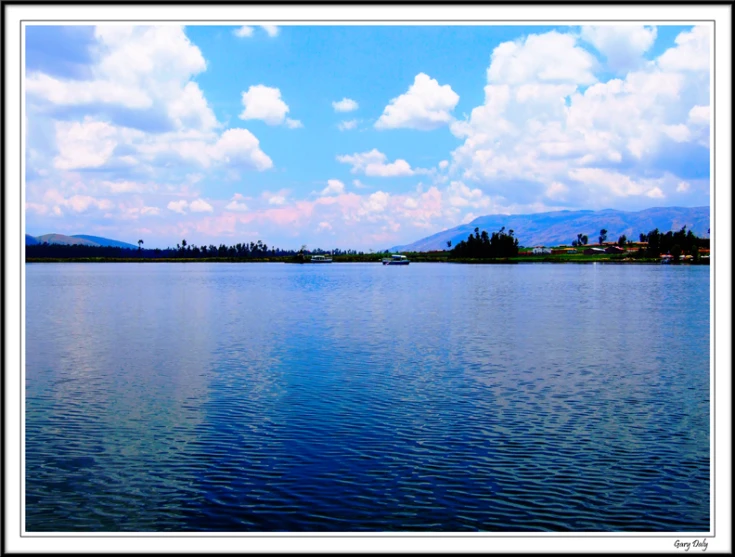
[355, 136]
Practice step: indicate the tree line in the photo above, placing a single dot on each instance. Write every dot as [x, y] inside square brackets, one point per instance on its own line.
[183, 250]
[674, 243]
[480, 245]
[501, 244]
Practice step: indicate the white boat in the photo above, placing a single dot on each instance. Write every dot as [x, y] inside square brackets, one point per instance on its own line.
[320, 259]
[396, 260]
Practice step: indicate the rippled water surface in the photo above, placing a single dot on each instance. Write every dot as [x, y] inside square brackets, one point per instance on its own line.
[357, 397]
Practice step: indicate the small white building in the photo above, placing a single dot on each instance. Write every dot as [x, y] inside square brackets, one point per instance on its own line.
[541, 250]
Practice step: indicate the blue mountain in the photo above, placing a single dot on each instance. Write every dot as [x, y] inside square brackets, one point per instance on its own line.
[106, 242]
[77, 239]
[561, 227]
[63, 239]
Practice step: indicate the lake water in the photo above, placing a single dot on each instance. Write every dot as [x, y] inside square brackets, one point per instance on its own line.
[357, 397]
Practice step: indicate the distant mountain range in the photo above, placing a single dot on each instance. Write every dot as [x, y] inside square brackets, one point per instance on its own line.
[537, 229]
[561, 227]
[77, 239]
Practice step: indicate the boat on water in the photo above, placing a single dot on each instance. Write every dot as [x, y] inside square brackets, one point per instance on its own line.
[396, 260]
[320, 259]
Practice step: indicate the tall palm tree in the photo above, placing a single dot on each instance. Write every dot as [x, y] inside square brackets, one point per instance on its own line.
[140, 243]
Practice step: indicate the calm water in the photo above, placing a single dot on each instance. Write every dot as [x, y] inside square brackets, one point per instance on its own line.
[358, 397]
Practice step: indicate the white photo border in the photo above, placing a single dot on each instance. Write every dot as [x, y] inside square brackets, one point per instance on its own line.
[719, 538]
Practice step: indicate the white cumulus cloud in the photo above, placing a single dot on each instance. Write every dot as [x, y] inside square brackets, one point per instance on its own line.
[548, 58]
[237, 203]
[138, 111]
[460, 195]
[699, 115]
[244, 31]
[189, 109]
[622, 45]
[77, 203]
[678, 132]
[373, 163]
[75, 93]
[240, 147]
[137, 67]
[277, 199]
[200, 206]
[345, 105]
[376, 202]
[124, 186]
[547, 118]
[178, 206]
[621, 185]
[425, 106]
[87, 144]
[334, 187]
[556, 190]
[691, 52]
[265, 103]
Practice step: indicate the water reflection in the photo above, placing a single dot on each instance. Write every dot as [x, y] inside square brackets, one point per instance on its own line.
[356, 397]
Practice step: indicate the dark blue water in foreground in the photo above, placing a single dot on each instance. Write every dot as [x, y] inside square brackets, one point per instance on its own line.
[357, 397]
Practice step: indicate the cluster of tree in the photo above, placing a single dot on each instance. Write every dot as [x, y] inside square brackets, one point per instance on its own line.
[580, 241]
[657, 241]
[252, 250]
[481, 245]
[337, 252]
[674, 243]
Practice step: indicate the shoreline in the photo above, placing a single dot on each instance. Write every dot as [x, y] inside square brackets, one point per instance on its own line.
[505, 261]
